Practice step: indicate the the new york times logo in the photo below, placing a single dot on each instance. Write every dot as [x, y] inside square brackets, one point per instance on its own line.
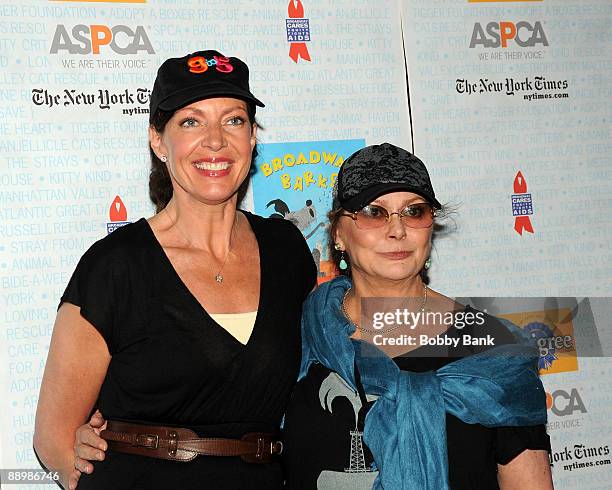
[103, 99]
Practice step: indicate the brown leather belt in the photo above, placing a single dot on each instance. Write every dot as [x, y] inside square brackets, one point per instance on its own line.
[178, 444]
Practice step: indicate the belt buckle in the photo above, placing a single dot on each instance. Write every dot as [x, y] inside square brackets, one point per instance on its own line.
[276, 447]
[150, 441]
[264, 447]
[264, 450]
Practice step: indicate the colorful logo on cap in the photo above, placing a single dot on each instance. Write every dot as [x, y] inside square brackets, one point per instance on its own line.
[199, 64]
[117, 214]
[298, 31]
[522, 205]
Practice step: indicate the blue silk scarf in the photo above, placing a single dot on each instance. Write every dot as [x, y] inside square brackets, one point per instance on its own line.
[405, 429]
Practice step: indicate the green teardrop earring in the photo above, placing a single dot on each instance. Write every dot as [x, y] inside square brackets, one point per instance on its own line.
[342, 264]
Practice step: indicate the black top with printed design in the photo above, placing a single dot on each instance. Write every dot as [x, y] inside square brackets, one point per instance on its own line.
[324, 450]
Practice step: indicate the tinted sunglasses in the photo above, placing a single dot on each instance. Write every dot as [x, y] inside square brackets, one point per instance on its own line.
[419, 215]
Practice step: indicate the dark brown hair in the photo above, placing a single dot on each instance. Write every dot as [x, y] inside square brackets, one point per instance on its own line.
[160, 184]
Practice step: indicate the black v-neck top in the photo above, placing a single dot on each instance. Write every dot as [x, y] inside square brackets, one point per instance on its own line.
[173, 365]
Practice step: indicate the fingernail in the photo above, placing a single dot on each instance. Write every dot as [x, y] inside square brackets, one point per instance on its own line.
[99, 455]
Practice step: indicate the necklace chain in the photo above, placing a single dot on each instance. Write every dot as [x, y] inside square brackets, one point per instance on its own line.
[218, 275]
[367, 330]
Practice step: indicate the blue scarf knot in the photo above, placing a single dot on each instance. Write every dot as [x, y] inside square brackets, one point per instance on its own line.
[405, 429]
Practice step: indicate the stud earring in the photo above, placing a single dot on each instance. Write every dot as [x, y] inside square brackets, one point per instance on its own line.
[164, 158]
[427, 263]
[337, 246]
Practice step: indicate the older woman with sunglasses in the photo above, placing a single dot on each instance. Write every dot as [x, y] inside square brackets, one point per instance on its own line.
[418, 404]
[373, 409]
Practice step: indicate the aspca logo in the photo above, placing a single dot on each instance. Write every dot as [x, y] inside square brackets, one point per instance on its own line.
[562, 403]
[199, 64]
[498, 34]
[83, 39]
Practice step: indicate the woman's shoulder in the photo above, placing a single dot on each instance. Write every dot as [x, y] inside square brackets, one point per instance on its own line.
[124, 243]
[273, 225]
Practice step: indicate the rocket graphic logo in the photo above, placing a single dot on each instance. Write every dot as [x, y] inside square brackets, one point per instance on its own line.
[522, 206]
[117, 214]
[298, 31]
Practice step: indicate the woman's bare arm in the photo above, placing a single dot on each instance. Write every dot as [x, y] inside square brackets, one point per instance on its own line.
[74, 372]
[530, 469]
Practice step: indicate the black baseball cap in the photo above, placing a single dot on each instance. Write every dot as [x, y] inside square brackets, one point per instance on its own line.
[379, 169]
[197, 76]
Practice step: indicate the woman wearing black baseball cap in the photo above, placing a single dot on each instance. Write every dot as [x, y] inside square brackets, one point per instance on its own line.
[401, 405]
[183, 329]
[391, 393]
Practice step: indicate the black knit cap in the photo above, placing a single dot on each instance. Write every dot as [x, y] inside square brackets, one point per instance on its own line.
[197, 76]
[379, 169]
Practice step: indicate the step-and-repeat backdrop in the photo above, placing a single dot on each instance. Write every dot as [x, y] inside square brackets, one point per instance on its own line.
[509, 104]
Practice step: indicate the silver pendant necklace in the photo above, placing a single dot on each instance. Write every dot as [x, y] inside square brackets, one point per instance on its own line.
[218, 276]
[367, 330]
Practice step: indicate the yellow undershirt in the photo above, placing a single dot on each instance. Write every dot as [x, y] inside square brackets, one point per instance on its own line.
[239, 325]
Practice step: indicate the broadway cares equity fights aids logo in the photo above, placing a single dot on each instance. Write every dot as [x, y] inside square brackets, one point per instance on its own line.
[522, 205]
[118, 215]
[298, 31]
